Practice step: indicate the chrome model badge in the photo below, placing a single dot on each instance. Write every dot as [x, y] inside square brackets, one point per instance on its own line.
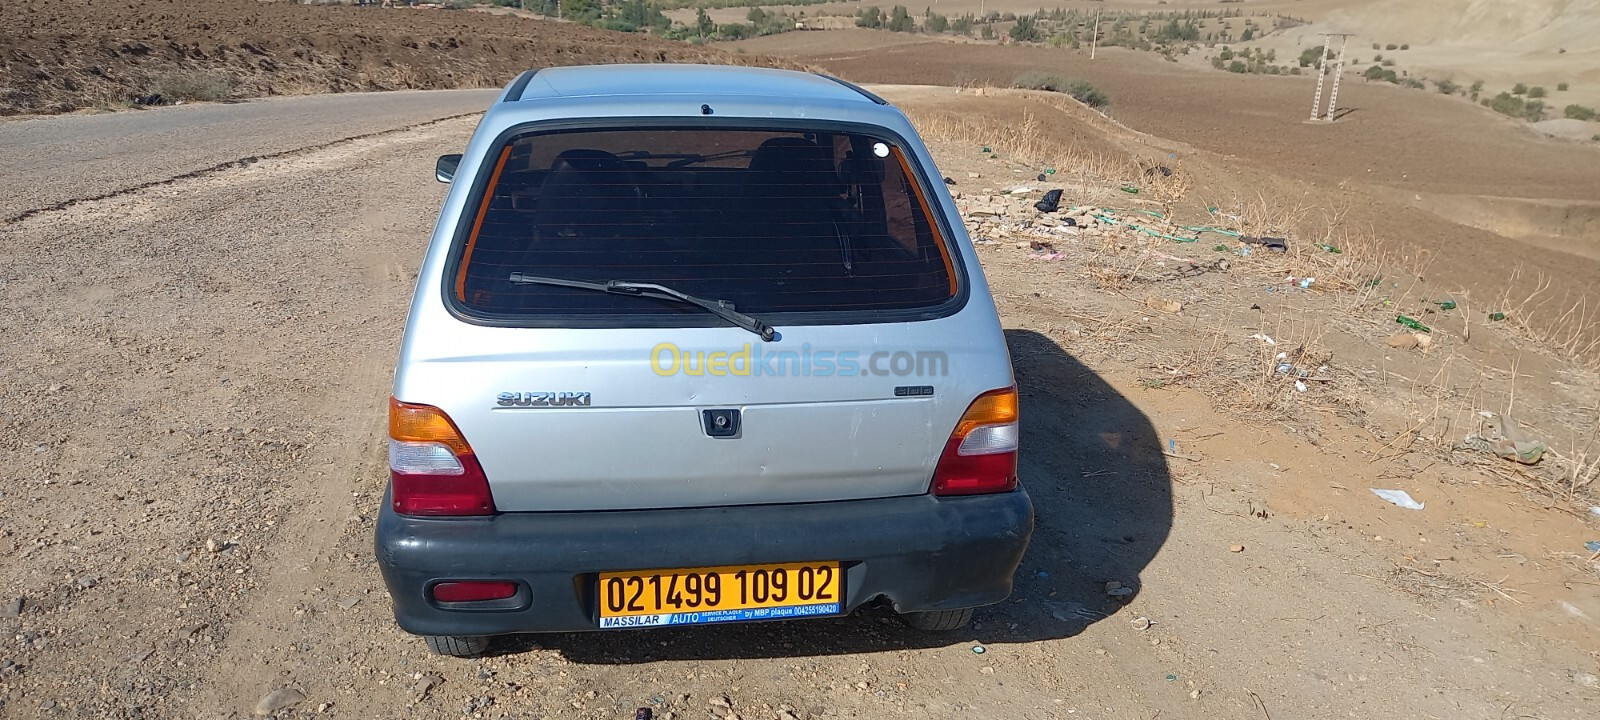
[542, 399]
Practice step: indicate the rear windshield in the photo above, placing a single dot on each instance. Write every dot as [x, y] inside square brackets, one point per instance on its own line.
[771, 221]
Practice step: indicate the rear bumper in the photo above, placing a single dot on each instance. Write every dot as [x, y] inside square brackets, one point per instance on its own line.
[920, 553]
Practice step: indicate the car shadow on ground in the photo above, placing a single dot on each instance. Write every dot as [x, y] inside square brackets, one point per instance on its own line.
[1092, 463]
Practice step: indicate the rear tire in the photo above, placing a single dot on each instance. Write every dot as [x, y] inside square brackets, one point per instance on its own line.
[939, 620]
[462, 646]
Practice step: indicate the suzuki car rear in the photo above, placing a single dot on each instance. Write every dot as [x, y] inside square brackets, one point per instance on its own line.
[696, 344]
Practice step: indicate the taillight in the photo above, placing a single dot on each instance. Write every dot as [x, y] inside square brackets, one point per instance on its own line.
[432, 470]
[981, 454]
[466, 591]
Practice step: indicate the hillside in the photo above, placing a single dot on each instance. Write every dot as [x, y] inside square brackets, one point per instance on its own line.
[1535, 42]
[1522, 25]
[62, 55]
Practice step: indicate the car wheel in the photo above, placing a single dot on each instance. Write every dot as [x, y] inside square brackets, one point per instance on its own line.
[463, 646]
[939, 620]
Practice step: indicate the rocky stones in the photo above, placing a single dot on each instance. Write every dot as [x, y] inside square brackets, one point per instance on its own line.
[426, 684]
[278, 700]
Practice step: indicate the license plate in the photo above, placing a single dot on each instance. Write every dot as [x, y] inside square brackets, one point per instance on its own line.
[699, 596]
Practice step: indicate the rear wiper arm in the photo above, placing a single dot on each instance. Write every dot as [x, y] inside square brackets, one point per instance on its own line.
[721, 308]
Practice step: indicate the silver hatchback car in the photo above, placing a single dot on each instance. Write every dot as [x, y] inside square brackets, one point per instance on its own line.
[697, 344]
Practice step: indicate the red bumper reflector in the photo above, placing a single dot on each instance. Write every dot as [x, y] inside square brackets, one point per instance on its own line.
[473, 591]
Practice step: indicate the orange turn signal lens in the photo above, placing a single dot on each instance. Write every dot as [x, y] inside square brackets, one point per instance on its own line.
[424, 423]
[996, 407]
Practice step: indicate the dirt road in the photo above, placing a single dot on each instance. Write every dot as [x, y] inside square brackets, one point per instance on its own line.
[195, 375]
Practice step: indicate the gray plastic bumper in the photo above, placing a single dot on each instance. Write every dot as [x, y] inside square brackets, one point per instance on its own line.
[921, 553]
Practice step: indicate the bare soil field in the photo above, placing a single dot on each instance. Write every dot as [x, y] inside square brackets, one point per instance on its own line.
[61, 55]
[1394, 158]
[188, 500]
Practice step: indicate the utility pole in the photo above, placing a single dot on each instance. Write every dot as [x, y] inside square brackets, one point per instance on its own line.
[1322, 73]
[1338, 72]
[1094, 44]
[1323, 68]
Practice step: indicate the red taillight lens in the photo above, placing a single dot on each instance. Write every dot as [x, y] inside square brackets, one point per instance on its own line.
[981, 454]
[473, 591]
[432, 470]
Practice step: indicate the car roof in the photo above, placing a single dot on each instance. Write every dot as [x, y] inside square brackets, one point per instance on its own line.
[667, 79]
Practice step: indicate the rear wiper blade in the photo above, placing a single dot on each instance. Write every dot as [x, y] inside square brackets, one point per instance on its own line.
[721, 308]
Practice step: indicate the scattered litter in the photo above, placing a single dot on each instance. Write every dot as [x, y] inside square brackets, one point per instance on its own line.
[1264, 338]
[1209, 229]
[1174, 258]
[1497, 316]
[1072, 612]
[1592, 546]
[1021, 190]
[1131, 190]
[1242, 252]
[1300, 385]
[1117, 590]
[1329, 248]
[1302, 283]
[1594, 510]
[1040, 178]
[978, 650]
[1220, 248]
[1051, 201]
[949, 181]
[1163, 304]
[1172, 444]
[1141, 623]
[1504, 437]
[1163, 170]
[644, 713]
[1447, 305]
[1049, 171]
[987, 149]
[1271, 243]
[1412, 323]
[1236, 548]
[349, 602]
[973, 176]
[1399, 498]
[1402, 341]
[1172, 678]
[1067, 222]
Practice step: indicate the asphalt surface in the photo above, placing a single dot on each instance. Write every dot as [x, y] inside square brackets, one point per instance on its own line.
[51, 160]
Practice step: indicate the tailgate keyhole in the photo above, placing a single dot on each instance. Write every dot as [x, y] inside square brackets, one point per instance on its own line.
[721, 423]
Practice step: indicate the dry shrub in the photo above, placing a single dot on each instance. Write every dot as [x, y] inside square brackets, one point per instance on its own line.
[1080, 90]
[193, 85]
[1569, 330]
[1025, 142]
